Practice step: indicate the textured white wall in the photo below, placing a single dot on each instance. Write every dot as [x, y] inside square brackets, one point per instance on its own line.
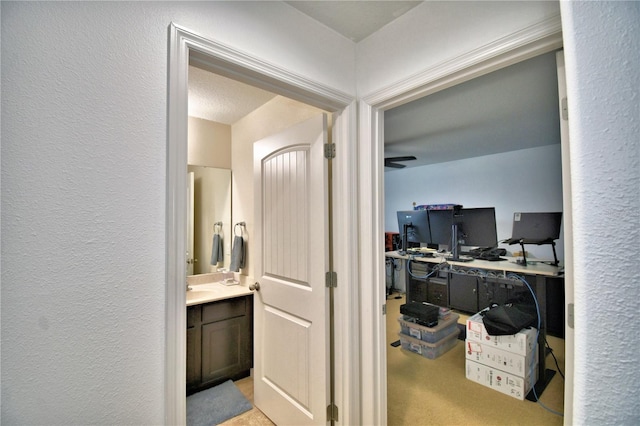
[84, 107]
[209, 143]
[602, 45]
[83, 190]
[487, 181]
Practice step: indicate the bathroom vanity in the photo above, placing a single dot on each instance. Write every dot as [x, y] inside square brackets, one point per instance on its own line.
[219, 331]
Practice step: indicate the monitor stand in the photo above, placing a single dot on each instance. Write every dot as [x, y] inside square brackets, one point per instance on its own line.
[553, 246]
[455, 247]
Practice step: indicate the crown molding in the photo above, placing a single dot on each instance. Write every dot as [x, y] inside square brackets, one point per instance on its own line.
[539, 38]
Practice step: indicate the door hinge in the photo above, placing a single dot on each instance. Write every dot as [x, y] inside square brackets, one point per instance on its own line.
[565, 109]
[331, 279]
[332, 413]
[384, 309]
[570, 317]
[329, 150]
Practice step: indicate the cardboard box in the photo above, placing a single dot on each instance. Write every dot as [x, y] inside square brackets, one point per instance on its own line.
[506, 383]
[491, 356]
[521, 343]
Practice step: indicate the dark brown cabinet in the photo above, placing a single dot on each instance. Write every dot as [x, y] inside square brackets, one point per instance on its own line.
[463, 292]
[433, 289]
[219, 342]
[438, 291]
[470, 291]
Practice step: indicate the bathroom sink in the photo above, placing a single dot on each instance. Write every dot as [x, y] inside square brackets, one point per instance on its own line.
[212, 287]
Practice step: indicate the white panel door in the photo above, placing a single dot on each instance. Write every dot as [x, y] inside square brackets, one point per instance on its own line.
[290, 332]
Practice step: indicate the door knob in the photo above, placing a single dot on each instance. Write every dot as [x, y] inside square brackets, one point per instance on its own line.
[255, 286]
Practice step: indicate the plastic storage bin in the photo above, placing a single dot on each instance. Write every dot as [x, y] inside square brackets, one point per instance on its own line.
[428, 334]
[429, 350]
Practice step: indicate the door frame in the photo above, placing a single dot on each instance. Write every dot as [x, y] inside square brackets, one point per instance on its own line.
[534, 40]
[186, 46]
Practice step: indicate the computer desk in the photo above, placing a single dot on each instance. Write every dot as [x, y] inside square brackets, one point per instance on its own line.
[498, 272]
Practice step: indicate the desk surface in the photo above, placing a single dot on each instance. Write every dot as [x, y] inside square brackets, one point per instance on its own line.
[532, 268]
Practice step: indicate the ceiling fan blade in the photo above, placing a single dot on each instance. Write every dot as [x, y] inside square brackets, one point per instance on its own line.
[405, 158]
[394, 165]
[391, 161]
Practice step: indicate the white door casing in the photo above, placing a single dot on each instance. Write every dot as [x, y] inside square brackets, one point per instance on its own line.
[291, 376]
[190, 221]
[567, 218]
[539, 38]
[185, 46]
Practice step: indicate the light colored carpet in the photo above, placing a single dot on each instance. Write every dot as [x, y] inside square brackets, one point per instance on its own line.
[424, 391]
[436, 392]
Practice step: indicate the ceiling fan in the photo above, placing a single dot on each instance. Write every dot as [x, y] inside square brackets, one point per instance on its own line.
[392, 161]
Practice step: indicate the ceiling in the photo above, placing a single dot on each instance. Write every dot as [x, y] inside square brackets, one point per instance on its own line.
[510, 109]
[220, 99]
[223, 100]
[354, 19]
[513, 108]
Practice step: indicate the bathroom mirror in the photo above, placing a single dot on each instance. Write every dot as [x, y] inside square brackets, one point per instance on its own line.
[209, 213]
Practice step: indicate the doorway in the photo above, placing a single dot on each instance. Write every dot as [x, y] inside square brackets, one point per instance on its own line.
[517, 127]
[371, 118]
[186, 46]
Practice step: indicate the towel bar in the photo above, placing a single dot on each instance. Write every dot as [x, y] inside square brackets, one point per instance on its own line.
[242, 225]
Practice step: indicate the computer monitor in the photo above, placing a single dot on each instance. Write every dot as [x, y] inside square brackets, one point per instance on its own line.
[440, 222]
[535, 228]
[416, 225]
[477, 227]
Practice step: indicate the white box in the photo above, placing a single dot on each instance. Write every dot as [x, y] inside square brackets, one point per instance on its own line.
[507, 383]
[509, 362]
[521, 343]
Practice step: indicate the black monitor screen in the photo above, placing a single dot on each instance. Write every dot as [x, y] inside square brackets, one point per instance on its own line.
[477, 227]
[417, 222]
[440, 222]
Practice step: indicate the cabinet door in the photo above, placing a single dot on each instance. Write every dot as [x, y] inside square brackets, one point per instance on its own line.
[193, 358]
[493, 292]
[417, 287]
[463, 293]
[193, 347]
[555, 306]
[437, 293]
[225, 345]
[417, 290]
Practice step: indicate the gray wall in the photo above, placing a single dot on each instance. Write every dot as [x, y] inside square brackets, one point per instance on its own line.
[523, 180]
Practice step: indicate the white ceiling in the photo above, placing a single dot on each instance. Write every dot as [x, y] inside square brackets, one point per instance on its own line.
[220, 99]
[223, 100]
[514, 108]
[354, 19]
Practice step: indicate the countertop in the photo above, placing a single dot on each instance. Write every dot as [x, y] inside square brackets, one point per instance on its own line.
[210, 288]
[534, 266]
